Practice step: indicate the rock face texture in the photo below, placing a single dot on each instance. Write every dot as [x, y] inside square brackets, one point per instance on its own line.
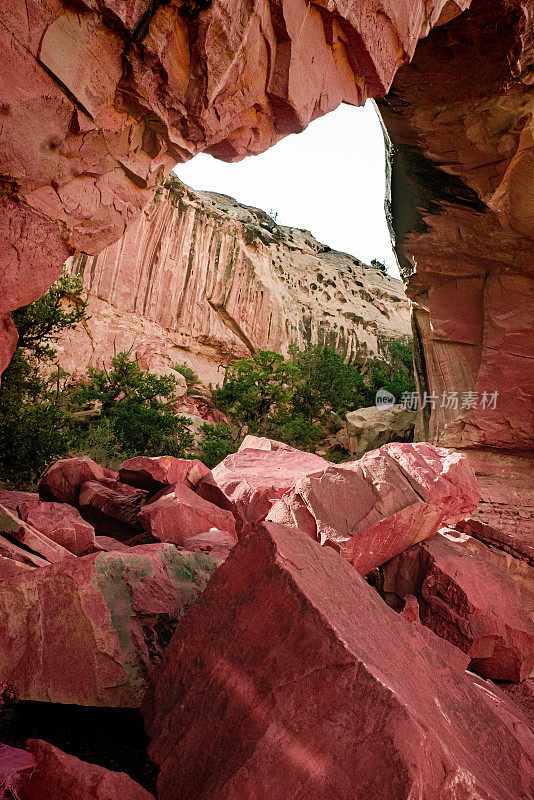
[470, 602]
[91, 630]
[200, 279]
[110, 95]
[59, 776]
[373, 509]
[287, 632]
[463, 215]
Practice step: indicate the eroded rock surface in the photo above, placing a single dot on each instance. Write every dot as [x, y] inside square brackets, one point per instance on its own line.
[470, 602]
[281, 670]
[89, 631]
[201, 279]
[373, 509]
[369, 428]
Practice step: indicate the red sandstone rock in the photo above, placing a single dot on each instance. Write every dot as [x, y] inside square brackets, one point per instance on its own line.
[251, 480]
[30, 539]
[178, 513]
[62, 481]
[469, 602]
[215, 542]
[375, 508]
[89, 631]
[107, 543]
[519, 569]
[519, 543]
[14, 764]
[59, 776]
[297, 680]
[61, 523]
[156, 473]
[8, 340]
[112, 507]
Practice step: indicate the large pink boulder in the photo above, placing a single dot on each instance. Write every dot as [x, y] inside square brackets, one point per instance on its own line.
[291, 678]
[178, 513]
[25, 537]
[468, 601]
[155, 473]
[62, 480]
[59, 776]
[60, 522]
[251, 480]
[374, 508]
[112, 507]
[14, 764]
[90, 631]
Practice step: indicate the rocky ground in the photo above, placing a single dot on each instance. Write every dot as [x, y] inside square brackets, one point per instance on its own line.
[280, 626]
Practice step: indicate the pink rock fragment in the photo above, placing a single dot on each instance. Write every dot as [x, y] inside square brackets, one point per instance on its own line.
[469, 602]
[251, 480]
[61, 523]
[155, 473]
[374, 508]
[59, 776]
[112, 507]
[62, 481]
[178, 513]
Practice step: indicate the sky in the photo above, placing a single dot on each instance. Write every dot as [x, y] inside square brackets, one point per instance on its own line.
[330, 180]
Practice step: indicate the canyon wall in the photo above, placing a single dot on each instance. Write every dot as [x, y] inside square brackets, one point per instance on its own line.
[463, 211]
[201, 279]
[99, 99]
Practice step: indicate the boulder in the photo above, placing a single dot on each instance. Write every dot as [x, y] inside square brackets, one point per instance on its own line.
[519, 569]
[217, 543]
[370, 428]
[89, 631]
[373, 509]
[178, 513]
[112, 507]
[59, 776]
[155, 473]
[248, 482]
[62, 481]
[26, 538]
[469, 602]
[58, 521]
[61, 523]
[291, 678]
[519, 541]
[14, 765]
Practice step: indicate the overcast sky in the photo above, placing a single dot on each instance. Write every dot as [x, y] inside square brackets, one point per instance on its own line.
[330, 179]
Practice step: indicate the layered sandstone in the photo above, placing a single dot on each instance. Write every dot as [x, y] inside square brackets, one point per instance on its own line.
[100, 99]
[201, 279]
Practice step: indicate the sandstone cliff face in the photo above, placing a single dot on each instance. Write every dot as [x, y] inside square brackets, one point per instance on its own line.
[463, 212]
[202, 279]
[100, 98]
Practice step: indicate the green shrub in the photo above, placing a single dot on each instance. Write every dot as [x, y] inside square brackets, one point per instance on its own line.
[191, 377]
[216, 443]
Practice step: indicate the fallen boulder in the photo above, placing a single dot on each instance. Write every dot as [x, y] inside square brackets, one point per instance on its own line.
[61, 523]
[370, 428]
[291, 678]
[59, 776]
[248, 482]
[217, 543]
[112, 507]
[26, 537]
[155, 473]
[14, 764]
[469, 602]
[373, 509]
[62, 481]
[89, 631]
[178, 513]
